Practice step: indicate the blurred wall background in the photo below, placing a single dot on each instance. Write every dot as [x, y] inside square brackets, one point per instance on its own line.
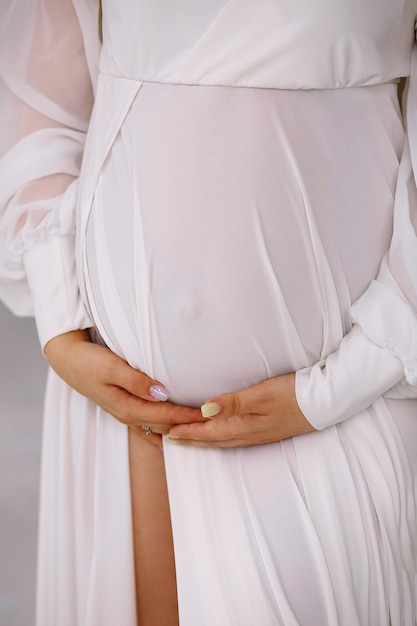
[22, 382]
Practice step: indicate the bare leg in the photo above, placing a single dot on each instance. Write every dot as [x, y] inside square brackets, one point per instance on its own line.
[154, 556]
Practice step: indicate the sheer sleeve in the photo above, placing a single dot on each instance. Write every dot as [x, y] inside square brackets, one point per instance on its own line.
[48, 60]
[387, 311]
[379, 355]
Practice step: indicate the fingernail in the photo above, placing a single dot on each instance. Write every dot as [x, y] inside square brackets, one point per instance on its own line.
[171, 439]
[159, 392]
[210, 409]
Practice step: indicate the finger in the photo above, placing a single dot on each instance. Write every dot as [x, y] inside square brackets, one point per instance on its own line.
[142, 386]
[250, 400]
[231, 443]
[136, 382]
[236, 431]
[235, 442]
[228, 404]
[230, 428]
[154, 438]
[136, 411]
[159, 429]
[163, 413]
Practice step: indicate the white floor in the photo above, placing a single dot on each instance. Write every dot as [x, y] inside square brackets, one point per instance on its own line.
[22, 378]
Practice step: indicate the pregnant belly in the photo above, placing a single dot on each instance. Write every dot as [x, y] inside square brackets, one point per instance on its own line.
[206, 252]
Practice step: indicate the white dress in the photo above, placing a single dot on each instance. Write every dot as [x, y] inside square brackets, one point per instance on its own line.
[245, 208]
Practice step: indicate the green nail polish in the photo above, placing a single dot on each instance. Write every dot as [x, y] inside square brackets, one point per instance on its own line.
[210, 409]
[171, 439]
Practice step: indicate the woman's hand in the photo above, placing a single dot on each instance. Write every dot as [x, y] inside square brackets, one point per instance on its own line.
[100, 375]
[263, 413]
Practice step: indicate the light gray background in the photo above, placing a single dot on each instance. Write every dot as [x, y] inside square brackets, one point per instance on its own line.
[22, 382]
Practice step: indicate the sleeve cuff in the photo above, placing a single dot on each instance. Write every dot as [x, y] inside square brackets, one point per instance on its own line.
[348, 381]
[51, 274]
[390, 323]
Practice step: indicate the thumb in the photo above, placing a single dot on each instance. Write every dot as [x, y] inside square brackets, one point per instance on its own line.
[254, 399]
[225, 405]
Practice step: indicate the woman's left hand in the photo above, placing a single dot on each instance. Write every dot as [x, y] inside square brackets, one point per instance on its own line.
[263, 413]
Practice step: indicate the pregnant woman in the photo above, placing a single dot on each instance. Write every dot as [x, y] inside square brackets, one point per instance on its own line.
[240, 236]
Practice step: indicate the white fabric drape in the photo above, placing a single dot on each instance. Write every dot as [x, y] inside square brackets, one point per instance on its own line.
[45, 104]
[386, 313]
[360, 468]
[388, 310]
[49, 62]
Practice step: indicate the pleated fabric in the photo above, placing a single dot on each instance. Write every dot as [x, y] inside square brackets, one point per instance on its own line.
[238, 202]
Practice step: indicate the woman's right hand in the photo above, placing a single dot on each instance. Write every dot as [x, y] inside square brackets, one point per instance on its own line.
[97, 373]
